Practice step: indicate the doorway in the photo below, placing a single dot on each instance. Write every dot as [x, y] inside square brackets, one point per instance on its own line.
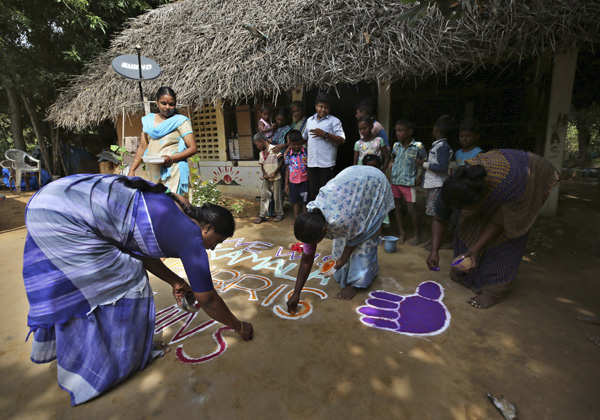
[344, 100]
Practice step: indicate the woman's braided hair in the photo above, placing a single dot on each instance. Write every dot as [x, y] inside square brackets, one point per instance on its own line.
[309, 226]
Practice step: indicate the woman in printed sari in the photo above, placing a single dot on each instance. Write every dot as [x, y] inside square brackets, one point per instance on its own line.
[350, 210]
[171, 137]
[499, 195]
[90, 240]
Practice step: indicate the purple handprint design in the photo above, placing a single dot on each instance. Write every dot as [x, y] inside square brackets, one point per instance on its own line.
[422, 313]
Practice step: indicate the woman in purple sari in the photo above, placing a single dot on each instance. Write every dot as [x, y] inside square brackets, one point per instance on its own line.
[499, 195]
[90, 240]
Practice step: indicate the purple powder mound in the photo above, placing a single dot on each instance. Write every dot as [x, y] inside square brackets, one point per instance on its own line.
[387, 296]
[430, 290]
[421, 316]
[422, 313]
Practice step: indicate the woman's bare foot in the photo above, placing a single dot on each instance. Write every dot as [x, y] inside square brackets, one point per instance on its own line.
[347, 293]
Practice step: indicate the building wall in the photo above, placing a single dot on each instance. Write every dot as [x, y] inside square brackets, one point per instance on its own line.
[131, 132]
[209, 133]
[133, 126]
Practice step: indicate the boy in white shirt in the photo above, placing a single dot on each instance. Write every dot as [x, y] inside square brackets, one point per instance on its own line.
[324, 134]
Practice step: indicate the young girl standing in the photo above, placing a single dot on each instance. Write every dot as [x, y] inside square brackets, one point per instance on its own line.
[265, 126]
[168, 135]
[368, 144]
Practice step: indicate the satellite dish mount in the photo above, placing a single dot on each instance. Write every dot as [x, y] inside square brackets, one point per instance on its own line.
[136, 67]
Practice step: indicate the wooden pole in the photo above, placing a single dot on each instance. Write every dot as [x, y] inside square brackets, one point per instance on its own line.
[384, 100]
[138, 48]
[561, 92]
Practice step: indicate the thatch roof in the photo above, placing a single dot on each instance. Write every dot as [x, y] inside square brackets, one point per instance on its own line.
[207, 52]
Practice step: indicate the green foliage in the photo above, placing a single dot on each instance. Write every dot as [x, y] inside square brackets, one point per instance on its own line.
[121, 153]
[236, 206]
[208, 192]
[6, 141]
[202, 191]
[44, 42]
[584, 120]
[193, 163]
[205, 192]
[572, 146]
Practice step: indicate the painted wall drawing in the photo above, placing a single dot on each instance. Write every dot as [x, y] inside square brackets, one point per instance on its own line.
[422, 313]
[227, 175]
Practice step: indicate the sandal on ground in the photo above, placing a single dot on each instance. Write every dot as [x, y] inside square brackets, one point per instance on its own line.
[278, 219]
[483, 301]
[259, 220]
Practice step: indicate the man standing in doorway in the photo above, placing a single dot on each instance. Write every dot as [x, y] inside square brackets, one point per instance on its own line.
[324, 134]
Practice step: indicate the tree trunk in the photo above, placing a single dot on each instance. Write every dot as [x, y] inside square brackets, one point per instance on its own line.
[57, 160]
[37, 128]
[16, 124]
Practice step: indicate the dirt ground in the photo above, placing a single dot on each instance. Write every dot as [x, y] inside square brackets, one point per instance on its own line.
[12, 209]
[531, 348]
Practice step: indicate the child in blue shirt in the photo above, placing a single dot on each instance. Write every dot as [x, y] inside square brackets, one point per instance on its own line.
[468, 137]
[436, 167]
[405, 167]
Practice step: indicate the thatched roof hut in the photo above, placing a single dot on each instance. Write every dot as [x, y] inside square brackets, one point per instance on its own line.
[211, 49]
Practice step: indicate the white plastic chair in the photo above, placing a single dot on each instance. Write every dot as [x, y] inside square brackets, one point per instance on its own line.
[21, 166]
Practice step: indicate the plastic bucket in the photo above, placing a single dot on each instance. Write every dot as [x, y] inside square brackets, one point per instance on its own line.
[389, 243]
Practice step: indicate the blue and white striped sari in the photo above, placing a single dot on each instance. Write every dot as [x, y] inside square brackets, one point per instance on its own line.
[355, 204]
[91, 306]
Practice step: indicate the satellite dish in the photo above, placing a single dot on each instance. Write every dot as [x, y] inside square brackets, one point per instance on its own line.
[127, 66]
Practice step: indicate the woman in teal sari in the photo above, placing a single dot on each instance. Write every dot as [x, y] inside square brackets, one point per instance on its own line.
[350, 210]
[170, 137]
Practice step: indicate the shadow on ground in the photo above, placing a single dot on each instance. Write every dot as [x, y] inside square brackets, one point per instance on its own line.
[12, 209]
[531, 348]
